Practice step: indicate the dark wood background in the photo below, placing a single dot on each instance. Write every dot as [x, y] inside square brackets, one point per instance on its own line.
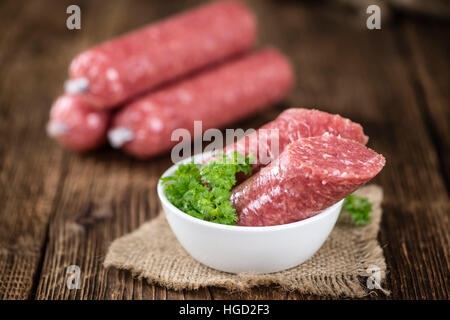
[59, 208]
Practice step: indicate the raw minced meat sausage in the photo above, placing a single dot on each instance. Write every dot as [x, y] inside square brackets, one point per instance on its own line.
[75, 125]
[291, 125]
[310, 175]
[216, 97]
[119, 69]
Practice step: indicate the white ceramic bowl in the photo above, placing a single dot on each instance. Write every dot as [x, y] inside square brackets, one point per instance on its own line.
[237, 249]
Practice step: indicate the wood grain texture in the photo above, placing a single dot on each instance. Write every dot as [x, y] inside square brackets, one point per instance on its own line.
[430, 70]
[29, 177]
[61, 209]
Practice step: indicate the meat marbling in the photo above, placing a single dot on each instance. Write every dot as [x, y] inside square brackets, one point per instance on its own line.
[310, 175]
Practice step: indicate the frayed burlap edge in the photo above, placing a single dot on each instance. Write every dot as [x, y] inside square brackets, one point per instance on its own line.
[339, 269]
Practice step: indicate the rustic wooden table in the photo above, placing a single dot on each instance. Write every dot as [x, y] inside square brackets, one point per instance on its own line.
[394, 81]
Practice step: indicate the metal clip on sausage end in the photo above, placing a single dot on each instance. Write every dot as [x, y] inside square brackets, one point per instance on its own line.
[76, 85]
[119, 136]
[56, 129]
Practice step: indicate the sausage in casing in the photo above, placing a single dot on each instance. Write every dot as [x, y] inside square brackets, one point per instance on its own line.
[216, 97]
[119, 69]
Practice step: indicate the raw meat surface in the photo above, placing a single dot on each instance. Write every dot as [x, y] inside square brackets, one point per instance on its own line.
[291, 125]
[119, 69]
[309, 176]
[75, 125]
[217, 97]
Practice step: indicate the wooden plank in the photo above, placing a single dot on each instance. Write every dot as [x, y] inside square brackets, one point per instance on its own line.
[416, 243]
[429, 56]
[103, 195]
[30, 167]
[363, 75]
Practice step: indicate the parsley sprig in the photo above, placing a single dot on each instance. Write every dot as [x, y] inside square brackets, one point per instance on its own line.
[358, 208]
[203, 191]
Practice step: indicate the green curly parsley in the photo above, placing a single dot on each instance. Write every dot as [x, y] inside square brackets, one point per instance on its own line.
[358, 208]
[203, 191]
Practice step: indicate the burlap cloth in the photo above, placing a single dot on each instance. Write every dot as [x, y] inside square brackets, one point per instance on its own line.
[340, 268]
